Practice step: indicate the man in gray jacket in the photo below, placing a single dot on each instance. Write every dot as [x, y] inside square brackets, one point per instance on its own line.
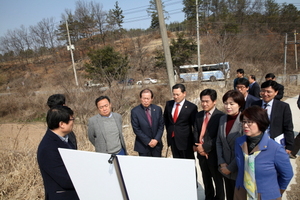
[105, 129]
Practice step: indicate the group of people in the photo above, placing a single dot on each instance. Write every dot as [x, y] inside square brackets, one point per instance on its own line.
[237, 148]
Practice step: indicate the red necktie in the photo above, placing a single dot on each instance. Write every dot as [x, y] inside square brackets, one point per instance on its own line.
[148, 116]
[175, 116]
[203, 129]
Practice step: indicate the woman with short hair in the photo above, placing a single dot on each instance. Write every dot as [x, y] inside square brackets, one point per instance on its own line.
[264, 168]
[229, 129]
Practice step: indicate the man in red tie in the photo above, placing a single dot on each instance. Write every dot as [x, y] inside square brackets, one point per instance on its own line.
[205, 135]
[179, 116]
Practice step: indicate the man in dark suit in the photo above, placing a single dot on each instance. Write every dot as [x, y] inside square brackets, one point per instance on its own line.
[205, 136]
[148, 125]
[179, 117]
[271, 76]
[297, 139]
[57, 182]
[243, 87]
[254, 88]
[60, 100]
[279, 113]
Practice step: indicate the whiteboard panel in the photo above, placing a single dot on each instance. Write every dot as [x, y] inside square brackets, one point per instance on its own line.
[92, 176]
[151, 178]
[144, 177]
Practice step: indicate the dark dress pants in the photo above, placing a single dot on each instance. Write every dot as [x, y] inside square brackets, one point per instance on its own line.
[296, 146]
[153, 152]
[211, 173]
[229, 187]
[188, 153]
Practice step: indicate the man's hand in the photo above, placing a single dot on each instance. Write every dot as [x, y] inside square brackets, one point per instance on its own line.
[223, 169]
[200, 150]
[153, 143]
[288, 151]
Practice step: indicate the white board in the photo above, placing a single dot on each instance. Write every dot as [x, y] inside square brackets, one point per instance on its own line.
[151, 178]
[144, 177]
[92, 176]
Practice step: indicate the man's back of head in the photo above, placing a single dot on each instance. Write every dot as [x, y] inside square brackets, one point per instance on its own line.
[270, 76]
[56, 100]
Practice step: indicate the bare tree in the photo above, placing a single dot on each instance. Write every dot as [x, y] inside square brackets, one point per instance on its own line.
[142, 59]
[84, 16]
[43, 34]
[100, 19]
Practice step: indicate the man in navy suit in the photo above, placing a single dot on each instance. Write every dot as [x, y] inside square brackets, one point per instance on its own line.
[57, 182]
[148, 125]
[60, 100]
[243, 87]
[279, 113]
[254, 88]
[179, 117]
[205, 137]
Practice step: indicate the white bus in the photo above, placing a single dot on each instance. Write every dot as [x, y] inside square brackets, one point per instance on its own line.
[210, 72]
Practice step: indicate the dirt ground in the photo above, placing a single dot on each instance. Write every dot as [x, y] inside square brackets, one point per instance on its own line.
[18, 136]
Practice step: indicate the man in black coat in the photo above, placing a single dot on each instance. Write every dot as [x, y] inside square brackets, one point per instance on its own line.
[297, 139]
[205, 136]
[243, 87]
[60, 100]
[254, 88]
[57, 182]
[179, 117]
[280, 115]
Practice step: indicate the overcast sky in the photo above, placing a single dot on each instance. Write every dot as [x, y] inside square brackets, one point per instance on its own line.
[14, 13]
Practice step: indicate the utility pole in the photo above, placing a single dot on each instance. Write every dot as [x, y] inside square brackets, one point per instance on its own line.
[70, 48]
[164, 37]
[296, 56]
[198, 42]
[285, 51]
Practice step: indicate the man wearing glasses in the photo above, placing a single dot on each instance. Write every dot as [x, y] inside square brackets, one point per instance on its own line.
[105, 129]
[60, 100]
[57, 182]
[243, 87]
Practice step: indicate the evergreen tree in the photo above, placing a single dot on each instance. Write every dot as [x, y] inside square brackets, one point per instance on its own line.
[106, 65]
[182, 52]
[115, 18]
[152, 12]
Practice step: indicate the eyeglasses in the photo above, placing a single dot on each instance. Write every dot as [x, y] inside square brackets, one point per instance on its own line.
[249, 123]
[240, 87]
[72, 119]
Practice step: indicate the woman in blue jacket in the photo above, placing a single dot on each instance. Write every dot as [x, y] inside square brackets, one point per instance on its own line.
[264, 168]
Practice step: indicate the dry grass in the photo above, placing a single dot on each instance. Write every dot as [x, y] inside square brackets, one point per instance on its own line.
[19, 174]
